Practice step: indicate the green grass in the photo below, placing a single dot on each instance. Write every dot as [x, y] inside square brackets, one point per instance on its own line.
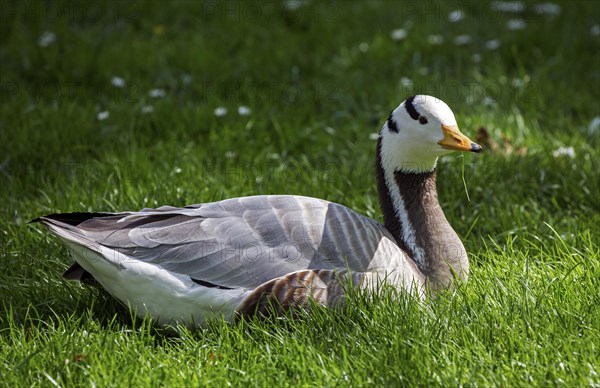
[319, 81]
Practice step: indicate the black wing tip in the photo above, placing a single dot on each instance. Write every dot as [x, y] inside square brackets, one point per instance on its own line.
[73, 219]
[209, 284]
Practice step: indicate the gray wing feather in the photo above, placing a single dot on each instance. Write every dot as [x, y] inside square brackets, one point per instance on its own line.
[243, 242]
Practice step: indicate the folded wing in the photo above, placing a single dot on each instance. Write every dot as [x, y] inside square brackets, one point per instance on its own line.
[239, 242]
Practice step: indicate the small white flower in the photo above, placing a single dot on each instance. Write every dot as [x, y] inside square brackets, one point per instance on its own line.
[244, 110]
[398, 34]
[489, 100]
[147, 109]
[157, 93]
[508, 6]
[492, 44]
[363, 47]
[177, 170]
[594, 126]
[220, 111]
[435, 39]
[103, 115]
[517, 82]
[406, 82]
[564, 151]
[456, 16]
[516, 24]
[46, 39]
[550, 9]
[595, 30]
[117, 82]
[462, 40]
[374, 136]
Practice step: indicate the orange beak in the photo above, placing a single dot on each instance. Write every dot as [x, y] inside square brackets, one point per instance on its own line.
[455, 140]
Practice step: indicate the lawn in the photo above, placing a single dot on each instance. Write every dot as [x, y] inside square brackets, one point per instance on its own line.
[110, 106]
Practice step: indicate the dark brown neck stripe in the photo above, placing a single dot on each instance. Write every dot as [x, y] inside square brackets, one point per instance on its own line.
[390, 217]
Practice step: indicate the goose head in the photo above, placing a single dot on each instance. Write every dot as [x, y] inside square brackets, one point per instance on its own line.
[417, 132]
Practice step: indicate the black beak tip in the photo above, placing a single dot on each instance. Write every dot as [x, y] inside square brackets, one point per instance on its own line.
[476, 148]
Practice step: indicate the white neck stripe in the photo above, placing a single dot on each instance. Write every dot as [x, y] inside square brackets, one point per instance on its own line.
[408, 232]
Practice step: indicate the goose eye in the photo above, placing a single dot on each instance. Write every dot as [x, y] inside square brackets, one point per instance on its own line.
[423, 120]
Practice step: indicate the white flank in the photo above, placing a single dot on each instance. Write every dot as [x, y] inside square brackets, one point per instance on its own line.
[392, 265]
[145, 288]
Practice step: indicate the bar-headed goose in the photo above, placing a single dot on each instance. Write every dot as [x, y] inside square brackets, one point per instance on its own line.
[239, 255]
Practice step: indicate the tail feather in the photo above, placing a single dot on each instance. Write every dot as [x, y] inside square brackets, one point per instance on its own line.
[78, 273]
[65, 227]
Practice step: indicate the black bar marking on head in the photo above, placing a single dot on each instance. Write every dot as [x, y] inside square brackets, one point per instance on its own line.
[392, 124]
[410, 108]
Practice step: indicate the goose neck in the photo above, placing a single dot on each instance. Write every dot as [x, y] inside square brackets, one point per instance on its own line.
[413, 215]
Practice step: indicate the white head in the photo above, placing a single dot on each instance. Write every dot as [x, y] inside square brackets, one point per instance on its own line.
[417, 132]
